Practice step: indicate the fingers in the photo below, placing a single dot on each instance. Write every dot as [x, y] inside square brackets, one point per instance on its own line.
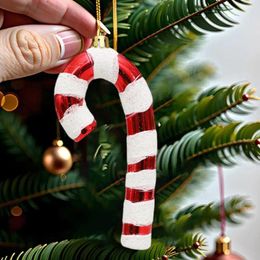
[66, 12]
[12, 19]
[27, 50]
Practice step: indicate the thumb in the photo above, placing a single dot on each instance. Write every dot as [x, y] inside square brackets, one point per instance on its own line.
[30, 49]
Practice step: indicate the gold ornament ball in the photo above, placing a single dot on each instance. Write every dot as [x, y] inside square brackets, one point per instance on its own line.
[57, 159]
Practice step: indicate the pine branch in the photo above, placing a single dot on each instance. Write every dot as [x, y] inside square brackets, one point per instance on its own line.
[40, 194]
[207, 110]
[211, 144]
[194, 218]
[26, 188]
[176, 23]
[221, 147]
[85, 248]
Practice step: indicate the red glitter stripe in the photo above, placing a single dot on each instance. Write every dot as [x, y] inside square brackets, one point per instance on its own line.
[87, 71]
[149, 163]
[130, 229]
[139, 122]
[135, 195]
[86, 130]
[81, 66]
[62, 103]
[128, 72]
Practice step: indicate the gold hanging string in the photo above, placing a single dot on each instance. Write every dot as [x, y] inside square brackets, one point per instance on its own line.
[58, 135]
[115, 30]
[98, 10]
[98, 16]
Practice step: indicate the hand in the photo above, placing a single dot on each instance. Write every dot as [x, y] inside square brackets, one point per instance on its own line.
[29, 49]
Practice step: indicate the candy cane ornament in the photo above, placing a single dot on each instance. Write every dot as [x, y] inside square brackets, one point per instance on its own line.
[105, 63]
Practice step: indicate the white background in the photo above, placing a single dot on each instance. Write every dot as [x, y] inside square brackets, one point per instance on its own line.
[235, 53]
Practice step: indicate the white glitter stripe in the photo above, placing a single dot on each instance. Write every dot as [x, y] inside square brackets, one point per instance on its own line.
[105, 63]
[143, 180]
[137, 97]
[138, 213]
[70, 85]
[141, 145]
[75, 119]
[136, 242]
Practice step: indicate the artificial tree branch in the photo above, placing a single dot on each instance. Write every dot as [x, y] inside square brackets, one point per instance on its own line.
[42, 193]
[181, 20]
[247, 96]
[220, 147]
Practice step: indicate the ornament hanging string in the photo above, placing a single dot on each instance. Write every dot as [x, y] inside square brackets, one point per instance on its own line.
[98, 16]
[115, 30]
[58, 134]
[222, 201]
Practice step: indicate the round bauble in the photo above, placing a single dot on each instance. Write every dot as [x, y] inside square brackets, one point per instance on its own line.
[57, 159]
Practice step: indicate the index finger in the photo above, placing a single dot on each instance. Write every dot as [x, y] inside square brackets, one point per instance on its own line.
[66, 12]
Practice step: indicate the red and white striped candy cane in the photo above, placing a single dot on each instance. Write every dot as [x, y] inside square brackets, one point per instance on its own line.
[136, 99]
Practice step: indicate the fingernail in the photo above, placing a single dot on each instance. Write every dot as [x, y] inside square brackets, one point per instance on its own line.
[71, 43]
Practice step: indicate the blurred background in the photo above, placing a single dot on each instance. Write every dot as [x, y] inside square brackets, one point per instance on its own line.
[235, 53]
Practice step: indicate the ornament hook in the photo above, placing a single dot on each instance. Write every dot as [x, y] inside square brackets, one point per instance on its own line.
[100, 40]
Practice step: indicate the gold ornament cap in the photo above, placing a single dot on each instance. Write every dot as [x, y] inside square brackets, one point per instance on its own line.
[100, 41]
[223, 245]
[57, 142]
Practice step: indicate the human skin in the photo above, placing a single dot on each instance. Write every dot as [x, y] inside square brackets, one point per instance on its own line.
[27, 47]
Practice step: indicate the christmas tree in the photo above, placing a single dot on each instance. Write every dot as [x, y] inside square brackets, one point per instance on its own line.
[78, 216]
